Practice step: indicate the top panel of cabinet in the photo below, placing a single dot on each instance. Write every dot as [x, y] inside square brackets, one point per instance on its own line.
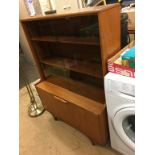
[78, 12]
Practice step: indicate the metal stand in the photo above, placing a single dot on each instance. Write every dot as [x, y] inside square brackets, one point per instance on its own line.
[33, 110]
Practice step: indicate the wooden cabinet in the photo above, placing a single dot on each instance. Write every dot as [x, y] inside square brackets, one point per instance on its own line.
[82, 113]
[71, 50]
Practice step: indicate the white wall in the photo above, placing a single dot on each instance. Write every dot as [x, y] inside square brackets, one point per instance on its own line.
[22, 38]
[59, 4]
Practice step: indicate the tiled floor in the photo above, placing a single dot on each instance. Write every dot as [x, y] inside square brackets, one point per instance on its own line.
[44, 136]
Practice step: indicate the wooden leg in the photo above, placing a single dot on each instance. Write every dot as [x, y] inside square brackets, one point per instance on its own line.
[92, 142]
[55, 118]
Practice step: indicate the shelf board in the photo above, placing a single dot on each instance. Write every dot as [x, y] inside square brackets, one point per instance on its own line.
[85, 67]
[68, 40]
[80, 88]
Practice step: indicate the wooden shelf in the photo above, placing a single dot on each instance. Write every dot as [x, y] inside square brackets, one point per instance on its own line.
[80, 88]
[68, 40]
[80, 66]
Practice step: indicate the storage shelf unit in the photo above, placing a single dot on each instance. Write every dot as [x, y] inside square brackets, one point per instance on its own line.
[71, 50]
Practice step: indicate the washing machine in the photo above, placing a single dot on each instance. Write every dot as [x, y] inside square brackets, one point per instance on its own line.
[120, 102]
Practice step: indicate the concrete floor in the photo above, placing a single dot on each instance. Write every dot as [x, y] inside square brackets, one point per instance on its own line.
[44, 136]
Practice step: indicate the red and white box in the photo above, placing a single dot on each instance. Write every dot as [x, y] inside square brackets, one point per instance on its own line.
[119, 69]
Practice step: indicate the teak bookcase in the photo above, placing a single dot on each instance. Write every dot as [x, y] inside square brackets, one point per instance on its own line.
[71, 50]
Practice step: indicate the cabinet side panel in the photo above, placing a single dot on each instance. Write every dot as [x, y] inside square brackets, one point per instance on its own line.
[109, 29]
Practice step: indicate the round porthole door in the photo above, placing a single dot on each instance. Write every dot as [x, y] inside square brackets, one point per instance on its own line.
[124, 125]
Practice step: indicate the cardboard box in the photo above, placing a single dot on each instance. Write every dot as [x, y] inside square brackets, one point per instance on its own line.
[131, 17]
[119, 69]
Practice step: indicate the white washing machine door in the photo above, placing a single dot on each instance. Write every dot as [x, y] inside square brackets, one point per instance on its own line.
[124, 125]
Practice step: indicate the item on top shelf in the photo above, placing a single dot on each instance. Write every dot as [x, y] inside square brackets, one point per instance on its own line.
[45, 6]
[115, 63]
[128, 58]
[118, 61]
[30, 7]
[50, 12]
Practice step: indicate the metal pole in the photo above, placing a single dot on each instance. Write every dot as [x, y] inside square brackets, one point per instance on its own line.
[33, 110]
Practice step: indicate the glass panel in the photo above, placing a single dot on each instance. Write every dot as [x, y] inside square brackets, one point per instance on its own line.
[80, 26]
[129, 127]
[71, 69]
[80, 83]
[70, 54]
[79, 58]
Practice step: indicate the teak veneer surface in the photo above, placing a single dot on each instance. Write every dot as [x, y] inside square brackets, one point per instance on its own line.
[69, 96]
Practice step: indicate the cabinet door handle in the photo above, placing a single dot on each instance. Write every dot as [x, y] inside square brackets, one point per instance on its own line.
[60, 99]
